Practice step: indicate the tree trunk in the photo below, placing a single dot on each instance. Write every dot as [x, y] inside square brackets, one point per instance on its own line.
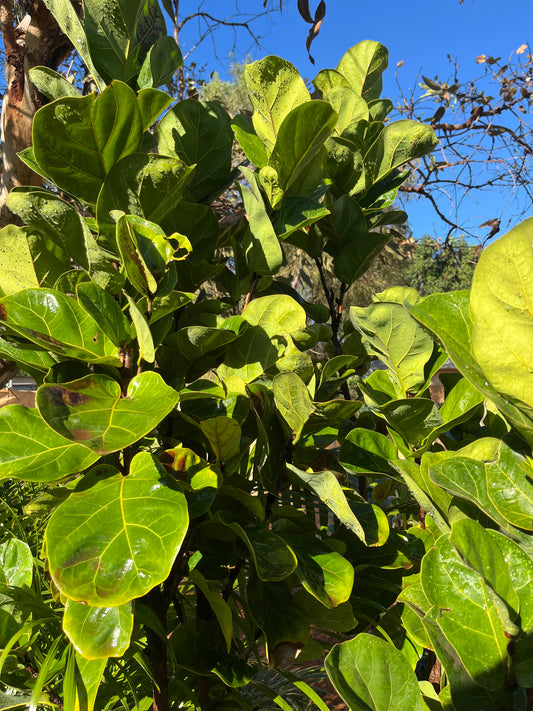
[37, 41]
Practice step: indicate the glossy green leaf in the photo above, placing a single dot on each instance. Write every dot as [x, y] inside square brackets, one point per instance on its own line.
[152, 103]
[143, 333]
[467, 615]
[78, 140]
[219, 606]
[356, 257]
[139, 274]
[367, 452]
[116, 537]
[392, 335]
[398, 143]
[266, 346]
[17, 270]
[260, 244]
[67, 18]
[274, 560]
[93, 410]
[224, 435]
[119, 34]
[351, 110]
[328, 79]
[324, 573]
[52, 84]
[98, 632]
[363, 66]
[16, 563]
[372, 675]
[163, 59]
[249, 141]
[195, 341]
[328, 489]
[105, 310]
[60, 223]
[59, 324]
[30, 359]
[296, 214]
[275, 87]
[481, 552]
[143, 184]
[200, 135]
[30, 450]
[460, 404]
[492, 475]
[502, 316]
[519, 566]
[300, 137]
[414, 418]
[293, 401]
[447, 316]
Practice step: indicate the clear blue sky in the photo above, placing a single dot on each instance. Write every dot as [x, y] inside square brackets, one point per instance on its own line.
[417, 32]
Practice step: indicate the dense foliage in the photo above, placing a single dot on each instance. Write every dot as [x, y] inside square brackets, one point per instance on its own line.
[212, 479]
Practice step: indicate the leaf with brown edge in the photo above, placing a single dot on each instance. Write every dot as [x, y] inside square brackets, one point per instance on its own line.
[93, 411]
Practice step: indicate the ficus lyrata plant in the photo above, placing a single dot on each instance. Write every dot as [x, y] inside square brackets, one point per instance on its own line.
[214, 483]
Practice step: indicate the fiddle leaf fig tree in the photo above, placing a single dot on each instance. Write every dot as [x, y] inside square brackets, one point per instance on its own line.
[215, 483]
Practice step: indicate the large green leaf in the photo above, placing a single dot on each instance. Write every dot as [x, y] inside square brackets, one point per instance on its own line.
[106, 311]
[274, 560]
[93, 410]
[98, 632]
[58, 323]
[266, 346]
[492, 475]
[520, 568]
[393, 336]
[249, 141]
[300, 137]
[356, 257]
[482, 552]
[398, 143]
[163, 59]
[328, 489]
[145, 252]
[61, 223]
[52, 84]
[200, 135]
[119, 34]
[447, 316]
[116, 537]
[143, 184]
[260, 244]
[469, 617]
[17, 270]
[224, 435]
[367, 452]
[293, 401]
[78, 140]
[501, 308]
[16, 563]
[372, 675]
[30, 450]
[363, 66]
[275, 87]
[324, 573]
[200, 479]
[67, 18]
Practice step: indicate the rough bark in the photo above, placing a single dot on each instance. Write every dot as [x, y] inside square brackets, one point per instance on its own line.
[37, 41]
